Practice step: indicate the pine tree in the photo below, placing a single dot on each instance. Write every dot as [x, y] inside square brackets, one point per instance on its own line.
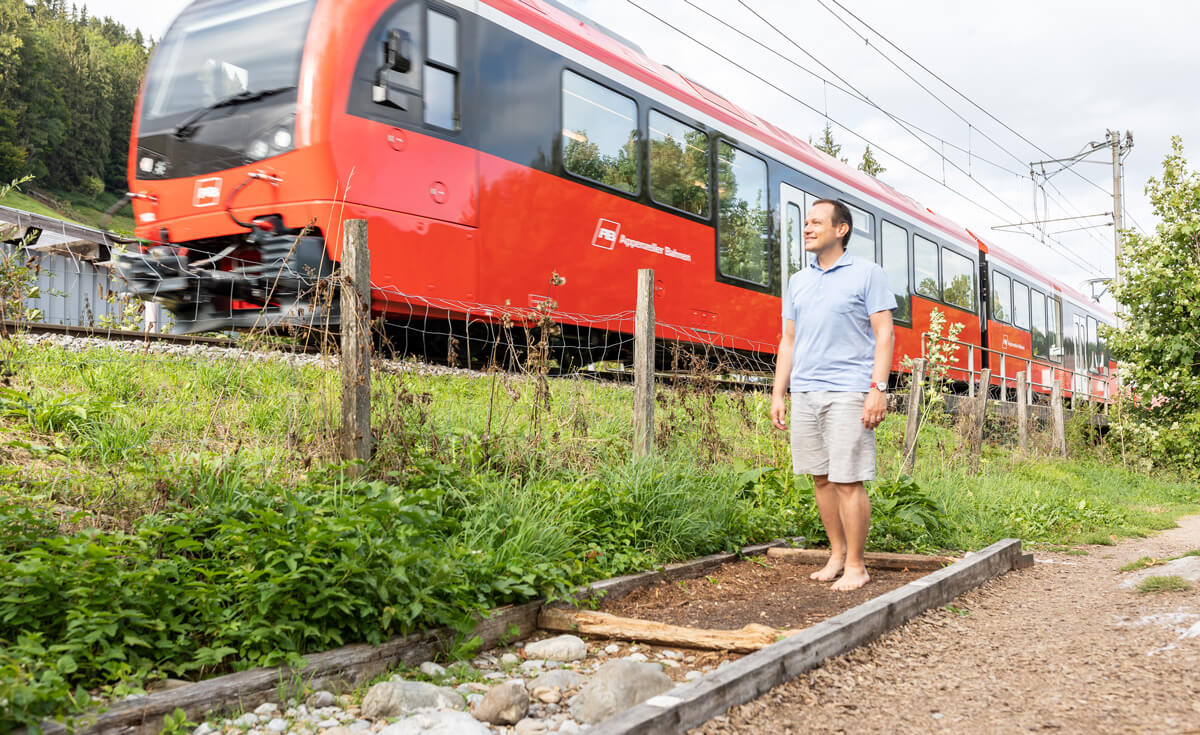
[827, 144]
[869, 165]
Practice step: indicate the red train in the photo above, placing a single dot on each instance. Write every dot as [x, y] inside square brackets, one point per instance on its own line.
[493, 143]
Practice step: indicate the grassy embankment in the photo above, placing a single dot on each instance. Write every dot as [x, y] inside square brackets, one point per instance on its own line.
[178, 515]
[75, 207]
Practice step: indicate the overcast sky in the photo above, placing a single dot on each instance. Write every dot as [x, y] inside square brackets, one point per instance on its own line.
[1058, 72]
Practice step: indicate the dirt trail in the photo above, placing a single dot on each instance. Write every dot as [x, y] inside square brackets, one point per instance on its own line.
[1060, 648]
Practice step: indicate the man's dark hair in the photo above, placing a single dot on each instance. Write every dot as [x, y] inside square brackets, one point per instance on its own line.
[841, 213]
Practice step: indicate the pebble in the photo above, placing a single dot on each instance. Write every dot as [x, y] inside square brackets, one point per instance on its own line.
[612, 648]
[639, 657]
[693, 675]
[510, 659]
[320, 699]
[675, 655]
[328, 723]
[277, 725]
[266, 708]
[429, 668]
[246, 721]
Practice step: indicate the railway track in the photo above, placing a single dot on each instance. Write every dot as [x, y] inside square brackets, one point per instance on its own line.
[117, 335]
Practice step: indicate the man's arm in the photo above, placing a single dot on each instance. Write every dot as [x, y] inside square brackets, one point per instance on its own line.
[783, 375]
[875, 407]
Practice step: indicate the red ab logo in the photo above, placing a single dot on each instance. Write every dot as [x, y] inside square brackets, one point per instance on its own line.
[606, 234]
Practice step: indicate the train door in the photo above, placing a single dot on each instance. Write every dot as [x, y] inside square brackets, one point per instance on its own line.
[793, 207]
[1079, 381]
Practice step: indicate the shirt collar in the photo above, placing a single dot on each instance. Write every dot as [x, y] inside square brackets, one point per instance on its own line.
[846, 259]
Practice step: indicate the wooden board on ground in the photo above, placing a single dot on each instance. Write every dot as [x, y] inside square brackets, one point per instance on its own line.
[743, 640]
[877, 559]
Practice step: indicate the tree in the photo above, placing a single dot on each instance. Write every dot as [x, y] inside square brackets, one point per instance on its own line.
[827, 144]
[1157, 346]
[869, 165]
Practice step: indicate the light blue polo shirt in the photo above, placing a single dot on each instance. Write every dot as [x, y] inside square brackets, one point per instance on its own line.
[835, 347]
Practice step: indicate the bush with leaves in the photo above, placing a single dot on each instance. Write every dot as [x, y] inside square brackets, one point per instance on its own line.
[1157, 346]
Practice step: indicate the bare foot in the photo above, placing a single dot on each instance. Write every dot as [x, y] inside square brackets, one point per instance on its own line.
[830, 571]
[854, 578]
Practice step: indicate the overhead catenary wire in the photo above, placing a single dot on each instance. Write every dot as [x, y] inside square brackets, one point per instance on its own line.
[949, 86]
[852, 91]
[1062, 250]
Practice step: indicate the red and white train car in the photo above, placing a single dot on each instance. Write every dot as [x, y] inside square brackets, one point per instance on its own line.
[492, 143]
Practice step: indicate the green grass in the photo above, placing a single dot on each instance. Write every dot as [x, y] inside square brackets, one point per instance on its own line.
[1156, 585]
[194, 490]
[1144, 563]
[77, 208]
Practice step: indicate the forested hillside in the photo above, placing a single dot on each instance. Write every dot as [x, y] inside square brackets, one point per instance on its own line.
[68, 83]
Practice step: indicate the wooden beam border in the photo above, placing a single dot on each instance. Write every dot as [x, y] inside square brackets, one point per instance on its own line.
[693, 704]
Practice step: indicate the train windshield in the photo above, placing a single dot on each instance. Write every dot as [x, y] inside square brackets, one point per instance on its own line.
[224, 49]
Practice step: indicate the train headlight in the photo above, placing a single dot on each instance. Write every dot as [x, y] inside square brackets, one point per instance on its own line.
[272, 140]
[258, 149]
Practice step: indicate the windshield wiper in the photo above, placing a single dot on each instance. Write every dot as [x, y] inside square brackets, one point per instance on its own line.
[189, 126]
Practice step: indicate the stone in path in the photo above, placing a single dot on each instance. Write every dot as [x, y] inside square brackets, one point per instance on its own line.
[397, 698]
[617, 686]
[437, 723]
[564, 679]
[1187, 568]
[564, 648]
[504, 704]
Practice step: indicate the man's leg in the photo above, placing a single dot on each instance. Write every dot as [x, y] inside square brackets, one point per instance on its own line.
[854, 509]
[828, 505]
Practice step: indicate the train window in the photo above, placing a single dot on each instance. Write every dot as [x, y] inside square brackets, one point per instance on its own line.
[599, 133]
[441, 71]
[443, 40]
[1093, 338]
[1020, 310]
[1040, 341]
[862, 236]
[958, 280]
[743, 216]
[1001, 297]
[925, 261]
[679, 164]
[1054, 329]
[895, 265]
[794, 232]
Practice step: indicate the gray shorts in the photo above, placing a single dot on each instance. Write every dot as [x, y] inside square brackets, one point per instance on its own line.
[828, 436]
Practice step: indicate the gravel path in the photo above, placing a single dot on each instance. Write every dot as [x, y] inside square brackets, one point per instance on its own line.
[1061, 648]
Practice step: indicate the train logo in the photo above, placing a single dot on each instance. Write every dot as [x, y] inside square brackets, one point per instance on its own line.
[208, 192]
[606, 234]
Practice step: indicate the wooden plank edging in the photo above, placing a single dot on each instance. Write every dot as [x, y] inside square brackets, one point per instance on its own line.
[690, 705]
[345, 667]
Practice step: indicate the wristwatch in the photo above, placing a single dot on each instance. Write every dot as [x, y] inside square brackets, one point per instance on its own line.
[880, 386]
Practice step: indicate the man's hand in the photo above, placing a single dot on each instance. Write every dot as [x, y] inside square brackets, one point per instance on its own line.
[779, 412]
[874, 409]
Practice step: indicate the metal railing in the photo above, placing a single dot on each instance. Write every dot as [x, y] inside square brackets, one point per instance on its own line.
[1087, 385]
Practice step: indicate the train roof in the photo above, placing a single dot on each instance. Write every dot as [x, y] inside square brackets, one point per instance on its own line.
[568, 27]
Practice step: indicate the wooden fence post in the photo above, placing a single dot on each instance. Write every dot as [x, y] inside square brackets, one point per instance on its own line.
[981, 405]
[643, 366]
[356, 341]
[1022, 413]
[1056, 407]
[915, 389]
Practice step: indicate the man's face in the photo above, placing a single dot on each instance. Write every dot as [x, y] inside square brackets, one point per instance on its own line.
[820, 233]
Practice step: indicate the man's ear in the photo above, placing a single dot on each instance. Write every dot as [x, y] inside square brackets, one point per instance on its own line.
[843, 229]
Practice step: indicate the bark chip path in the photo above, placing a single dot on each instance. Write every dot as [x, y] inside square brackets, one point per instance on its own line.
[1059, 648]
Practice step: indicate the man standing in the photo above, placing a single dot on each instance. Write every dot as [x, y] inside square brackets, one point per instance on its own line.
[835, 357]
